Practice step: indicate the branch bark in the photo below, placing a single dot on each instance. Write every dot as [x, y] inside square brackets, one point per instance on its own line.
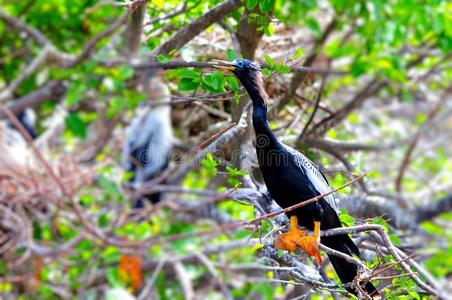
[53, 90]
[189, 32]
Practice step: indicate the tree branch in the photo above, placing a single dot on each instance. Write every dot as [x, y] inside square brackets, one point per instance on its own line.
[187, 33]
[53, 90]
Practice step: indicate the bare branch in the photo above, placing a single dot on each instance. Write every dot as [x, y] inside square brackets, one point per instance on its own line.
[53, 90]
[203, 65]
[187, 33]
[311, 117]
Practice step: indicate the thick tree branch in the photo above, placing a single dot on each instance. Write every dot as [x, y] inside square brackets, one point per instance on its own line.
[432, 209]
[134, 30]
[53, 90]
[187, 33]
[371, 88]
[203, 65]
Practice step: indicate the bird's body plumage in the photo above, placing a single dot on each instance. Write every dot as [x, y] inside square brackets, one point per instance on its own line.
[149, 140]
[15, 153]
[292, 178]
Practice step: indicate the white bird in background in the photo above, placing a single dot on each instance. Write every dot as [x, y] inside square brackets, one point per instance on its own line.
[149, 137]
[16, 155]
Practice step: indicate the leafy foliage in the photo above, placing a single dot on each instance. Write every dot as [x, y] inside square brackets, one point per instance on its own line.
[402, 45]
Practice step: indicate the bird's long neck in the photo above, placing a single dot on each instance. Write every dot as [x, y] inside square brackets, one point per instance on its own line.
[265, 139]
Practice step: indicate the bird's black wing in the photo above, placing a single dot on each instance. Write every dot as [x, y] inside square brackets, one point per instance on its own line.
[314, 174]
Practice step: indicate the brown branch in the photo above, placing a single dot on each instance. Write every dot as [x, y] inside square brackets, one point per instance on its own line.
[221, 228]
[49, 53]
[213, 146]
[91, 44]
[372, 88]
[53, 90]
[298, 78]
[203, 65]
[187, 33]
[183, 9]
[325, 124]
[434, 208]
[234, 39]
[64, 190]
[311, 117]
[134, 30]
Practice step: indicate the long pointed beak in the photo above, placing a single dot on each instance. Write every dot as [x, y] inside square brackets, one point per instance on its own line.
[223, 65]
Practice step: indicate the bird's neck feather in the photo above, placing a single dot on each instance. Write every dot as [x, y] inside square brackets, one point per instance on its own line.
[255, 88]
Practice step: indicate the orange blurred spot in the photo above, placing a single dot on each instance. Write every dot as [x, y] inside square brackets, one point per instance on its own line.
[38, 267]
[130, 271]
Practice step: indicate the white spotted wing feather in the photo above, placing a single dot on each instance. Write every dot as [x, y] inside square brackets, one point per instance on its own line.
[315, 176]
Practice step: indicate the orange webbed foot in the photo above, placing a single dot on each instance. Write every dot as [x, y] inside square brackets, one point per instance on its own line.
[288, 240]
[296, 238]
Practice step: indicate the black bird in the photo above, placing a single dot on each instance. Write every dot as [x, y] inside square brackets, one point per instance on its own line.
[15, 153]
[27, 117]
[290, 178]
[149, 138]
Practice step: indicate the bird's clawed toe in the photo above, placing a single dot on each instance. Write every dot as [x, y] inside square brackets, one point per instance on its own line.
[296, 238]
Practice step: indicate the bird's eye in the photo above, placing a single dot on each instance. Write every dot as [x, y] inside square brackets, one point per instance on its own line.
[240, 64]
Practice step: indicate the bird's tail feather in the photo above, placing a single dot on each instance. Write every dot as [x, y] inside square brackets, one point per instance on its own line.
[344, 269]
[153, 198]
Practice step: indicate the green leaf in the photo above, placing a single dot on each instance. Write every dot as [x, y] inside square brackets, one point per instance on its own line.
[234, 172]
[346, 219]
[298, 53]
[187, 73]
[233, 83]
[381, 221]
[269, 60]
[113, 277]
[75, 125]
[283, 69]
[125, 72]
[231, 54]
[269, 29]
[394, 239]
[163, 59]
[187, 84]
[86, 199]
[75, 92]
[115, 106]
[215, 81]
[314, 26]
[266, 5]
[266, 71]
[250, 4]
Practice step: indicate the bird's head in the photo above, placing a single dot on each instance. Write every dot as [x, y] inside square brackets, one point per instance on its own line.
[153, 86]
[244, 69]
[248, 72]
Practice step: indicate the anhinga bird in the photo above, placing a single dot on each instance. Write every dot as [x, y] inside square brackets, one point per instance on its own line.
[290, 178]
[27, 117]
[149, 138]
[15, 151]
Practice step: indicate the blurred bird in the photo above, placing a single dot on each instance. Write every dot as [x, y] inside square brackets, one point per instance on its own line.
[149, 138]
[27, 118]
[291, 178]
[15, 153]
